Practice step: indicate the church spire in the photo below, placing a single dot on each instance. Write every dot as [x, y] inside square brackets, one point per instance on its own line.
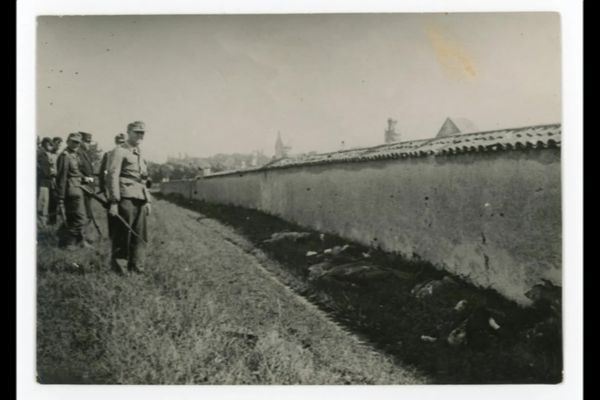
[280, 150]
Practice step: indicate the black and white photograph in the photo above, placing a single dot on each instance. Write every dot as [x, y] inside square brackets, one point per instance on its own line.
[291, 199]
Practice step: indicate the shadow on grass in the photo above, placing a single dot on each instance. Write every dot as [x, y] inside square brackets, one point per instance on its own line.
[451, 330]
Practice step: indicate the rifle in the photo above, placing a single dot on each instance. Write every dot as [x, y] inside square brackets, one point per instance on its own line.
[106, 205]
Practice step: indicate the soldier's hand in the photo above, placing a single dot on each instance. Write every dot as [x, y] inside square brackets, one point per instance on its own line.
[148, 209]
[114, 209]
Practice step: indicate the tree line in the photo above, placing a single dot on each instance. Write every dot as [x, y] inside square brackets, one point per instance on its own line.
[191, 167]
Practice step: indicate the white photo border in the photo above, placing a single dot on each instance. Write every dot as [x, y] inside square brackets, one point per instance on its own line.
[572, 180]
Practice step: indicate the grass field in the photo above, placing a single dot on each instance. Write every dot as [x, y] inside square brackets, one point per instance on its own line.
[205, 312]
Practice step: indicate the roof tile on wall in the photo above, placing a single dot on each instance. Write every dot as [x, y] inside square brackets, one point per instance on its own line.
[540, 137]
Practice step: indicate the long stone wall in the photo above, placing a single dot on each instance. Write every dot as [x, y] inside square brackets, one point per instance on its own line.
[493, 218]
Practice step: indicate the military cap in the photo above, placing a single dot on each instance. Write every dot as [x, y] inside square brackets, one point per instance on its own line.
[46, 140]
[136, 126]
[76, 137]
[120, 138]
[57, 139]
[86, 137]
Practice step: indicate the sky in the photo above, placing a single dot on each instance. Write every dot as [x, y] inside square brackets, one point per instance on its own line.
[207, 84]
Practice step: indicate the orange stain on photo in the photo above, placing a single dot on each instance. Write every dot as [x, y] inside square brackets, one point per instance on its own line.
[453, 58]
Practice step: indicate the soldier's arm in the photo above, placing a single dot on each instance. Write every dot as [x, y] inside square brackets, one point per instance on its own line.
[103, 164]
[40, 165]
[61, 176]
[147, 195]
[46, 165]
[112, 175]
[102, 172]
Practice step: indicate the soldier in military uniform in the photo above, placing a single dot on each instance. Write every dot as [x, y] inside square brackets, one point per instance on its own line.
[69, 194]
[87, 170]
[57, 142]
[119, 140]
[128, 195]
[53, 204]
[46, 173]
[86, 165]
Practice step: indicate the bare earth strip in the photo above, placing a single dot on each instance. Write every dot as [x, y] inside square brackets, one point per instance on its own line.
[205, 312]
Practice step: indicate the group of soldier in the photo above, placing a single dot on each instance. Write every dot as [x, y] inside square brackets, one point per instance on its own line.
[68, 182]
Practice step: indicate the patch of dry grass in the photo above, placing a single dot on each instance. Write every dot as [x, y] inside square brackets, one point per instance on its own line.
[204, 313]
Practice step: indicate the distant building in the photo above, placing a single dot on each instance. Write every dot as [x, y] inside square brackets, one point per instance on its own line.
[390, 133]
[281, 150]
[203, 172]
[456, 127]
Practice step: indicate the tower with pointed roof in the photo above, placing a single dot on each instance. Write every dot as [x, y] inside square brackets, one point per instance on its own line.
[280, 149]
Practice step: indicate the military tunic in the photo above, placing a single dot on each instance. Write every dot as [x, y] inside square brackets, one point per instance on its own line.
[85, 164]
[46, 173]
[102, 175]
[87, 170]
[53, 203]
[68, 190]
